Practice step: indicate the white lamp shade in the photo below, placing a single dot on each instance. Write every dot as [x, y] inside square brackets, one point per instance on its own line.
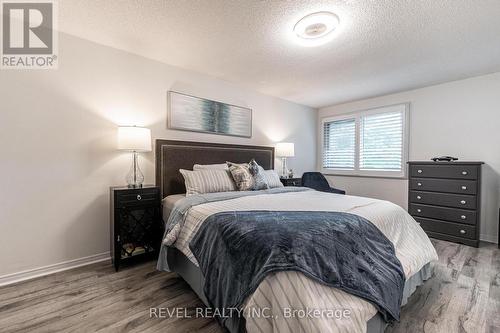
[134, 138]
[285, 149]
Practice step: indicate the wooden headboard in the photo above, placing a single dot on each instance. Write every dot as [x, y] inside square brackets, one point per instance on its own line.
[174, 155]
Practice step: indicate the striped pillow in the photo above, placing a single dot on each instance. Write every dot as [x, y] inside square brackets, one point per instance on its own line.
[207, 181]
[222, 166]
[272, 178]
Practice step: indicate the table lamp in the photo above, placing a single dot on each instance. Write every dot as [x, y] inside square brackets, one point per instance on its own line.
[284, 150]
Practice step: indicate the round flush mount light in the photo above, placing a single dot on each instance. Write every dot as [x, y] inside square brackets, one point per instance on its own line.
[316, 25]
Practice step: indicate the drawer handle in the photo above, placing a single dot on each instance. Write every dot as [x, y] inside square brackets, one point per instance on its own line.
[419, 184]
[464, 188]
[464, 173]
[419, 197]
[419, 210]
[419, 171]
[463, 202]
[463, 217]
[463, 232]
[139, 198]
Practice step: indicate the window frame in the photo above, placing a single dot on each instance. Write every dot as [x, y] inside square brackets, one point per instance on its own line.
[357, 115]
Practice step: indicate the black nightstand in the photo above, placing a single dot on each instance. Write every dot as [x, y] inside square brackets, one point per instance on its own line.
[291, 181]
[136, 224]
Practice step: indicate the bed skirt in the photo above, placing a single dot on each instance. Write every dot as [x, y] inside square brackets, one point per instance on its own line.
[191, 273]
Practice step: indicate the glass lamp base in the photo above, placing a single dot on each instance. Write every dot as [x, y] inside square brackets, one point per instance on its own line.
[135, 177]
[284, 169]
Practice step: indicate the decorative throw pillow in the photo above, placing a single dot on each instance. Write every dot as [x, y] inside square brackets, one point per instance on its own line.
[241, 176]
[207, 181]
[222, 166]
[257, 172]
[272, 178]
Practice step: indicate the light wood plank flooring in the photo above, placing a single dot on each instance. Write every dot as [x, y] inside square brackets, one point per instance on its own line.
[462, 296]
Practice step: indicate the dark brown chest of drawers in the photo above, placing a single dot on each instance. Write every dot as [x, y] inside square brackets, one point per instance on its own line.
[445, 198]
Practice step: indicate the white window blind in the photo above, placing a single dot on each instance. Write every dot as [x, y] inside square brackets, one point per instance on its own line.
[339, 144]
[381, 142]
[367, 143]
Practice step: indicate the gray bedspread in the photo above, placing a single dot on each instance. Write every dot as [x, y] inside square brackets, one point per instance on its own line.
[181, 207]
[236, 250]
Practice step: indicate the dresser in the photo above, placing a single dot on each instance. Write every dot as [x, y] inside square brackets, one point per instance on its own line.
[445, 198]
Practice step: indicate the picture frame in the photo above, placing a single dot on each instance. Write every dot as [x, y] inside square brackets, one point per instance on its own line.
[196, 114]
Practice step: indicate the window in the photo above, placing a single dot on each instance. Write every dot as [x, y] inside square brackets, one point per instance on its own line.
[340, 144]
[367, 143]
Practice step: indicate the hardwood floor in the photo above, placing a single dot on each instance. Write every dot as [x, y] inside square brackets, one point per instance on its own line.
[462, 296]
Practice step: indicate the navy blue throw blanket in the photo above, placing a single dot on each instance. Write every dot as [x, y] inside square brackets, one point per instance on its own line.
[236, 250]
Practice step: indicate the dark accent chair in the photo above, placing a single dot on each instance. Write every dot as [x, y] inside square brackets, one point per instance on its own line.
[318, 182]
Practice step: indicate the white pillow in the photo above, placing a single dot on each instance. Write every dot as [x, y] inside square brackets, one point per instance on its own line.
[207, 181]
[222, 166]
[272, 178]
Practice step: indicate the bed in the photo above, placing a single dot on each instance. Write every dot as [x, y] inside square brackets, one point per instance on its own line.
[280, 290]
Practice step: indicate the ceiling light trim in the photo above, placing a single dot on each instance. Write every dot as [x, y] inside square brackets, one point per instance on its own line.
[316, 25]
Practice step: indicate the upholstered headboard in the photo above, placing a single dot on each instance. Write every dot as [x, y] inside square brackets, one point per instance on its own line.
[174, 155]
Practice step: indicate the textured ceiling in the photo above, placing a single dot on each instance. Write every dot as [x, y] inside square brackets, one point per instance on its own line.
[381, 47]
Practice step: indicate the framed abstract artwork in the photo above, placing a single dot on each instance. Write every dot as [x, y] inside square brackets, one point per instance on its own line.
[190, 113]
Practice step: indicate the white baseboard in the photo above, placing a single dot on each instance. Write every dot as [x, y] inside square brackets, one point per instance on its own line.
[488, 238]
[50, 269]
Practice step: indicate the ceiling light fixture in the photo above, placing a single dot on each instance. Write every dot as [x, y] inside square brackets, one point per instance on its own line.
[316, 26]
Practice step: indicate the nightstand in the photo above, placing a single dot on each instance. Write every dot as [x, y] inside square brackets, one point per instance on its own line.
[291, 181]
[136, 224]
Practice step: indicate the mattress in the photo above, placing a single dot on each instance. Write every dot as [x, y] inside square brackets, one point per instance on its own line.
[277, 291]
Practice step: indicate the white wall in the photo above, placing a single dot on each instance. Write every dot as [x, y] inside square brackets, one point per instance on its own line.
[460, 118]
[58, 144]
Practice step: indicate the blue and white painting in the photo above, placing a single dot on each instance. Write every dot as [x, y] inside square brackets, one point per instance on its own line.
[196, 114]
